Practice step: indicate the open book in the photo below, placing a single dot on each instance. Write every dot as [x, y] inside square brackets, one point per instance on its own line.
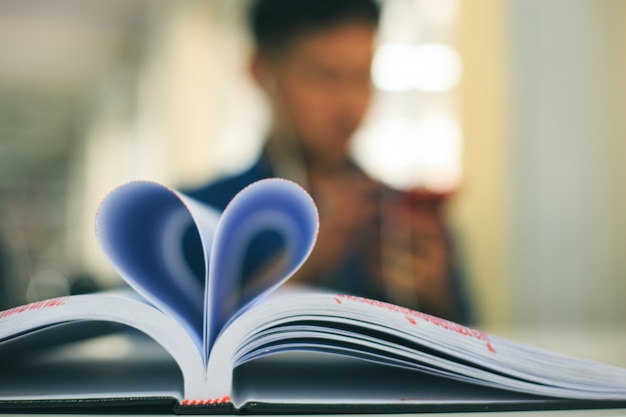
[227, 349]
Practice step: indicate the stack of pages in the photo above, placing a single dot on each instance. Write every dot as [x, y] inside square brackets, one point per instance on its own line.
[263, 349]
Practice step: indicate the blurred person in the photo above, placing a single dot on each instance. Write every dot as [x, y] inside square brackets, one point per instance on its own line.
[312, 60]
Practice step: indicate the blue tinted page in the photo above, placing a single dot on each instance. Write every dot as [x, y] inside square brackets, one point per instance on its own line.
[140, 227]
[274, 204]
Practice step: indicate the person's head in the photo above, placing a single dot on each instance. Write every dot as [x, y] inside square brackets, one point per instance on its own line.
[313, 59]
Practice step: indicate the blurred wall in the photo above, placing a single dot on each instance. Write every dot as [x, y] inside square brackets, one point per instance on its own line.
[569, 181]
[482, 208]
[184, 114]
[540, 212]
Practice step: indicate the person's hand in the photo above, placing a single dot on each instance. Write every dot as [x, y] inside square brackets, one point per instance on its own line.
[348, 205]
[416, 260]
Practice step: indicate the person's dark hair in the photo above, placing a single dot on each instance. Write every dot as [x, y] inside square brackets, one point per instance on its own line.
[275, 23]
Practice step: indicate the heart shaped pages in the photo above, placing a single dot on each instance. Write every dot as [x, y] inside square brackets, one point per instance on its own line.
[141, 227]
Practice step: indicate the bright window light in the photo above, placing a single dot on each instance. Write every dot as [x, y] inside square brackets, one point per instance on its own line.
[392, 68]
[409, 154]
[427, 67]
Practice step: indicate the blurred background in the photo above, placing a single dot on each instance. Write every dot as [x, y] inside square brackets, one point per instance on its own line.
[515, 109]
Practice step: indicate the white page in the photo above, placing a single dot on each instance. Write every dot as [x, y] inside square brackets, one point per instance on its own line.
[318, 378]
[430, 342]
[118, 308]
[140, 227]
[120, 365]
[278, 205]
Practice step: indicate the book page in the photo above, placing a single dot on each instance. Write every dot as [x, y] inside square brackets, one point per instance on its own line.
[387, 334]
[141, 227]
[121, 365]
[29, 324]
[321, 378]
[275, 205]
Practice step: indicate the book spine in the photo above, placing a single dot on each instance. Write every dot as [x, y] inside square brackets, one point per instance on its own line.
[222, 405]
